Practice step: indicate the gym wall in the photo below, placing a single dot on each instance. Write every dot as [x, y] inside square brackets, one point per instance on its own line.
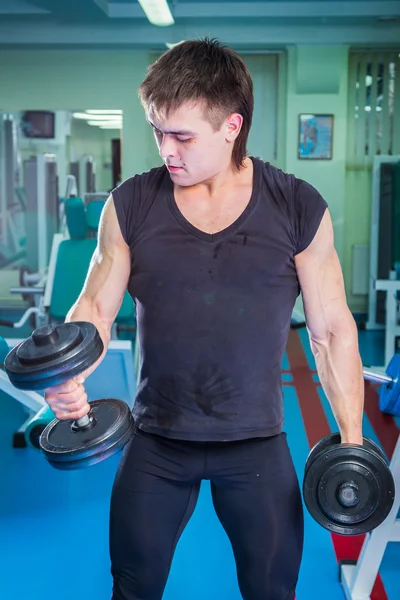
[308, 81]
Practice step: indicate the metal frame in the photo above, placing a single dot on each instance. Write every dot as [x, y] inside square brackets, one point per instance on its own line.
[374, 240]
[9, 165]
[31, 400]
[42, 160]
[57, 239]
[392, 328]
[358, 580]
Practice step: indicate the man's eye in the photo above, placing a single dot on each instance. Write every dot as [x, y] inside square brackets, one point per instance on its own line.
[183, 139]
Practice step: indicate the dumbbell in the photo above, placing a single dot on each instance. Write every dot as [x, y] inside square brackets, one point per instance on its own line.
[347, 488]
[53, 355]
[389, 393]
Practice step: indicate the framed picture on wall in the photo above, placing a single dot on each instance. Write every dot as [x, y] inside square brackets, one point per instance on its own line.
[315, 137]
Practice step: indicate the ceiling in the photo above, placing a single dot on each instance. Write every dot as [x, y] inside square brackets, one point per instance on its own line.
[262, 23]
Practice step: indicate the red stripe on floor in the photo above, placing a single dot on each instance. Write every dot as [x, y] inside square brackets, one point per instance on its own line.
[314, 418]
[317, 427]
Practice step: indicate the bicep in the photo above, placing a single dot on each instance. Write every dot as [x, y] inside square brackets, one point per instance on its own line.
[110, 266]
[322, 286]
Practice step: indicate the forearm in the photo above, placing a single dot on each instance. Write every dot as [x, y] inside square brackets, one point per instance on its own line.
[340, 372]
[85, 310]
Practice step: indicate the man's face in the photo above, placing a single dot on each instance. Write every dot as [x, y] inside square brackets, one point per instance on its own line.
[192, 151]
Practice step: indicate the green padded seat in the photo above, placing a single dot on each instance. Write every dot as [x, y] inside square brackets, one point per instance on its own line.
[93, 213]
[72, 266]
[73, 260]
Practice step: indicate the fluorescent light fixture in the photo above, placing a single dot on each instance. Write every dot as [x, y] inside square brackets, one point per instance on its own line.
[116, 124]
[157, 12]
[104, 112]
[102, 117]
[111, 126]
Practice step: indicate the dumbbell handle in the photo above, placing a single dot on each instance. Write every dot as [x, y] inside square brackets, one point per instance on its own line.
[83, 421]
[377, 377]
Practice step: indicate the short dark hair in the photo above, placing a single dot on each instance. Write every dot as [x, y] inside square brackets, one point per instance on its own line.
[203, 70]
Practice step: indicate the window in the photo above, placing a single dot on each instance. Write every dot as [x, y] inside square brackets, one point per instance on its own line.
[374, 104]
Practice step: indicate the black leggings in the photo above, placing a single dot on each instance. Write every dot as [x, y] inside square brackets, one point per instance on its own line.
[256, 496]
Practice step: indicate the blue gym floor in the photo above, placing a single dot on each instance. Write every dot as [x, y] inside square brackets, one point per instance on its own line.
[54, 525]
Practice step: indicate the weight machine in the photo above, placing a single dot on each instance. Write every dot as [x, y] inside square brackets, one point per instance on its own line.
[384, 269]
[84, 171]
[43, 209]
[12, 200]
[383, 232]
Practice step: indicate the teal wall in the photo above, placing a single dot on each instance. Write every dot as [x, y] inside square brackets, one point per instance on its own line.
[311, 79]
[70, 79]
[317, 83]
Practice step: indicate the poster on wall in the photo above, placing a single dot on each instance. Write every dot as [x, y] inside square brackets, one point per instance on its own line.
[315, 137]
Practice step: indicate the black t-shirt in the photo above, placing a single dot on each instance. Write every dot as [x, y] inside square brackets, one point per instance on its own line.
[214, 311]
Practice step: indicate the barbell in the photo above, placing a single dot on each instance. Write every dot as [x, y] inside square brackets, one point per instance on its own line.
[389, 393]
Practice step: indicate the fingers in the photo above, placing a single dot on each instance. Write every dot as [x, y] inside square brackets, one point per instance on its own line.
[68, 401]
[71, 412]
[66, 387]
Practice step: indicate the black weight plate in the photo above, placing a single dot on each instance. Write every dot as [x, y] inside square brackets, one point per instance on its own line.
[325, 443]
[34, 435]
[346, 463]
[47, 343]
[335, 439]
[53, 355]
[67, 448]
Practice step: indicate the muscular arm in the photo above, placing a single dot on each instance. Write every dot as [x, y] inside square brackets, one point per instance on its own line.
[332, 331]
[107, 279]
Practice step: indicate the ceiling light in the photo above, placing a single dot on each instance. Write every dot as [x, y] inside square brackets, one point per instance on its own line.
[109, 126]
[116, 124]
[102, 117]
[157, 12]
[104, 112]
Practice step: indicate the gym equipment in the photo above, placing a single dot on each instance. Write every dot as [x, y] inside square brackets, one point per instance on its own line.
[92, 439]
[389, 393]
[12, 210]
[43, 209]
[383, 226]
[84, 171]
[35, 426]
[4, 350]
[53, 355]
[347, 488]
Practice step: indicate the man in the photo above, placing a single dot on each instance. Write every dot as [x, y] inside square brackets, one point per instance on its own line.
[214, 247]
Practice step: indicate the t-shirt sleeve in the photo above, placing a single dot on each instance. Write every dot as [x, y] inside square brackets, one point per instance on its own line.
[126, 201]
[308, 209]
[134, 198]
